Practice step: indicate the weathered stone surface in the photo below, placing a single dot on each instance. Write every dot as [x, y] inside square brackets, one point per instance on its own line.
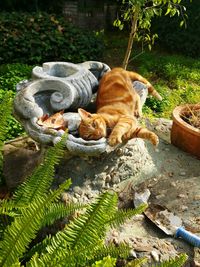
[20, 159]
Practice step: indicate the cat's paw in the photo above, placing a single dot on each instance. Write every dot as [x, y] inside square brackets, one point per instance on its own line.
[154, 139]
[114, 140]
[138, 113]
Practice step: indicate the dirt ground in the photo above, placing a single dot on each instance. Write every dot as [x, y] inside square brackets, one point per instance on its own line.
[175, 186]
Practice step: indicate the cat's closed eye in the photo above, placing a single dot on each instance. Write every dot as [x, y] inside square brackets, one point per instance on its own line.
[94, 124]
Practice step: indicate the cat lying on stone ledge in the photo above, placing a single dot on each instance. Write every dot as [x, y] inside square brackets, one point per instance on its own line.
[118, 105]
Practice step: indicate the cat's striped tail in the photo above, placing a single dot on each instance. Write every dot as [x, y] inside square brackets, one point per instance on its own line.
[152, 91]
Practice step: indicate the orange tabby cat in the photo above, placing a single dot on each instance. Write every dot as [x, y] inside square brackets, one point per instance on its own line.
[118, 105]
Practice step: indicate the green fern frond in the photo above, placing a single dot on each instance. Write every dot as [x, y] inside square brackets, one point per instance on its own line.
[8, 205]
[5, 111]
[23, 230]
[136, 262]
[38, 249]
[122, 250]
[84, 256]
[122, 215]
[19, 234]
[87, 228]
[176, 262]
[34, 186]
[57, 211]
[106, 262]
[17, 264]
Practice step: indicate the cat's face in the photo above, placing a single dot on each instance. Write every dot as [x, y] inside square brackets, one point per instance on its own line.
[92, 126]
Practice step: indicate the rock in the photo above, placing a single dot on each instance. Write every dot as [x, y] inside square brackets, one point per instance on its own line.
[182, 173]
[196, 198]
[20, 160]
[141, 197]
[182, 196]
[78, 190]
[155, 255]
[162, 127]
[142, 248]
[197, 257]
[108, 178]
[183, 208]
[132, 254]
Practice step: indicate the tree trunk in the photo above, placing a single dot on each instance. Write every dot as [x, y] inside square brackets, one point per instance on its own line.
[131, 37]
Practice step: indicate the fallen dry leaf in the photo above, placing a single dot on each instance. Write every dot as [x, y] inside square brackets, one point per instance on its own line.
[54, 121]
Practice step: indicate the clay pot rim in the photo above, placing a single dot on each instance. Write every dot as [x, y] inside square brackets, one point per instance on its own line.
[177, 118]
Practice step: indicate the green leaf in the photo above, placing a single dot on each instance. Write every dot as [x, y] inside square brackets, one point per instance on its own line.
[182, 23]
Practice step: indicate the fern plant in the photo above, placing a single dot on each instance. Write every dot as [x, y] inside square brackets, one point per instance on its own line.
[5, 111]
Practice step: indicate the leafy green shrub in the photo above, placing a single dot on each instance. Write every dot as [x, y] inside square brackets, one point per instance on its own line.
[10, 75]
[176, 78]
[177, 39]
[32, 5]
[39, 37]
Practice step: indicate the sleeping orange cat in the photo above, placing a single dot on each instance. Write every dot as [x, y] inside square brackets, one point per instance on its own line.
[118, 106]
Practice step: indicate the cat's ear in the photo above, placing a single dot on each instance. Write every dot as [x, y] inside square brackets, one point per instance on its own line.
[84, 114]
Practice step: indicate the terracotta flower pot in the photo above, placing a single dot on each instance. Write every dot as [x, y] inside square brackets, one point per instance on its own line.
[184, 135]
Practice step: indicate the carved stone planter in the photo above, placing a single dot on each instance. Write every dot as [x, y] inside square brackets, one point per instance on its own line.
[63, 86]
[59, 86]
[184, 135]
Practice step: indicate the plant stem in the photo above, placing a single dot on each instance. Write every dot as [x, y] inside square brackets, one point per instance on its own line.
[131, 37]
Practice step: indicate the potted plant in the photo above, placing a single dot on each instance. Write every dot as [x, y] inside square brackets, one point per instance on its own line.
[185, 132]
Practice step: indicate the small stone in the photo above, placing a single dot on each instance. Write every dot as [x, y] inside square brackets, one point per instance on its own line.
[115, 180]
[182, 196]
[111, 169]
[115, 233]
[197, 219]
[125, 151]
[184, 208]
[165, 257]
[66, 197]
[155, 255]
[132, 253]
[142, 197]
[119, 151]
[75, 200]
[107, 185]
[78, 168]
[102, 176]
[106, 168]
[197, 257]
[173, 184]
[130, 154]
[77, 190]
[197, 197]
[182, 173]
[77, 195]
[160, 196]
[89, 195]
[108, 178]
[142, 247]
